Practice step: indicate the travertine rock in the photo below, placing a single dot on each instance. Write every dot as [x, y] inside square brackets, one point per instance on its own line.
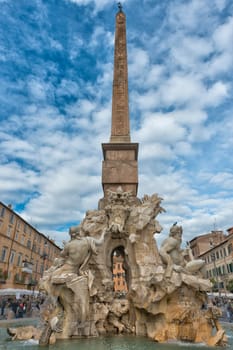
[166, 297]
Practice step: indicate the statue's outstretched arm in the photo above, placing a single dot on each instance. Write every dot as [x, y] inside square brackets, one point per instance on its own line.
[100, 241]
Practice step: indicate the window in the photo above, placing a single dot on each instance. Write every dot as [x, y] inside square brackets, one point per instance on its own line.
[25, 228]
[19, 261]
[230, 266]
[2, 212]
[29, 244]
[4, 253]
[18, 224]
[12, 218]
[22, 240]
[16, 235]
[221, 285]
[12, 256]
[217, 255]
[9, 229]
[229, 248]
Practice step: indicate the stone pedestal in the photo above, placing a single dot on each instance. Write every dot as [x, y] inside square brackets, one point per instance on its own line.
[120, 167]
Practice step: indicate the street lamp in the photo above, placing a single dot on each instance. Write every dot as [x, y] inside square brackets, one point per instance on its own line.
[213, 259]
[44, 256]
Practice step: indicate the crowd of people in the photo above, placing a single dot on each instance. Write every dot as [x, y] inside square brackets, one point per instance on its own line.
[25, 306]
[29, 306]
[226, 306]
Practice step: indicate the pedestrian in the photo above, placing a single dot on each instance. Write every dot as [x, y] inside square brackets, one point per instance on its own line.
[20, 310]
[3, 305]
[14, 306]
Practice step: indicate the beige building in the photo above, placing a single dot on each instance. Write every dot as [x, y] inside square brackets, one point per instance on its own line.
[203, 243]
[118, 272]
[217, 251]
[24, 252]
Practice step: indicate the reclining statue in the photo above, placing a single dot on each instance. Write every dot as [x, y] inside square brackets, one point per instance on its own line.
[176, 258]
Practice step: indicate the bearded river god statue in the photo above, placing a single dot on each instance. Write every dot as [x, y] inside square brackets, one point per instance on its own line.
[166, 290]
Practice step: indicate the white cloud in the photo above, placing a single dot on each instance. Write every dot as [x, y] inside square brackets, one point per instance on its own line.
[99, 4]
[37, 89]
[220, 4]
[223, 36]
[160, 128]
[56, 95]
[217, 93]
[139, 62]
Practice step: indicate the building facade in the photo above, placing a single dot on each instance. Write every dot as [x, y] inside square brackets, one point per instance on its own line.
[203, 243]
[24, 252]
[118, 272]
[217, 251]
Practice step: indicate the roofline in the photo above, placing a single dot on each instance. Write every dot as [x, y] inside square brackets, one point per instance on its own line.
[206, 234]
[216, 246]
[20, 217]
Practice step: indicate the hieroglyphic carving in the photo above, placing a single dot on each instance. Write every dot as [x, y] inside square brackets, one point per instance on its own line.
[120, 109]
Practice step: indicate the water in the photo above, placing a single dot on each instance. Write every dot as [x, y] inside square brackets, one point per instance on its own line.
[104, 343]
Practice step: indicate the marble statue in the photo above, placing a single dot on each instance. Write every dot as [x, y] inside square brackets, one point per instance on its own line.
[166, 286]
[181, 260]
[69, 283]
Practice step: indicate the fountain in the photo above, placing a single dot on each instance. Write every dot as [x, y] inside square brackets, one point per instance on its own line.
[166, 297]
[167, 293]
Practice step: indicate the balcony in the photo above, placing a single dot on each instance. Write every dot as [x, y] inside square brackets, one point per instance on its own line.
[27, 267]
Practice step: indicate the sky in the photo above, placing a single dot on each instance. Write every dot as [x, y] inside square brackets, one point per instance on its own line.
[56, 74]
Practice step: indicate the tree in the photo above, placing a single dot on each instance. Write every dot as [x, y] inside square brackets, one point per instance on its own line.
[230, 286]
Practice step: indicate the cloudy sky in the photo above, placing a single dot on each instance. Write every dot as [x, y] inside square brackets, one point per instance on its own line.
[55, 107]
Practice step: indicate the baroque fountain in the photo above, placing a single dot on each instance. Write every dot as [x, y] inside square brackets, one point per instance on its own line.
[167, 294]
[167, 291]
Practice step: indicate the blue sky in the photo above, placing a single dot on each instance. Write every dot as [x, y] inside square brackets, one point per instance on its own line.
[55, 107]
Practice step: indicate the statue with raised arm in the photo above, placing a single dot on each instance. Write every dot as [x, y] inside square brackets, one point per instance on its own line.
[76, 255]
[69, 282]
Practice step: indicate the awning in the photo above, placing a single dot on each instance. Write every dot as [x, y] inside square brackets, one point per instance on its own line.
[17, 292]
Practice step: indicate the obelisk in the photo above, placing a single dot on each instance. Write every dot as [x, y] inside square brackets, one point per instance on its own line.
[120, 105]
[120, 166]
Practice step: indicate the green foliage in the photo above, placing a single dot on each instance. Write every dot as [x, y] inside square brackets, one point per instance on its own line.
[3, 275]
[230, 286]
[19, 279]
[214, 285]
